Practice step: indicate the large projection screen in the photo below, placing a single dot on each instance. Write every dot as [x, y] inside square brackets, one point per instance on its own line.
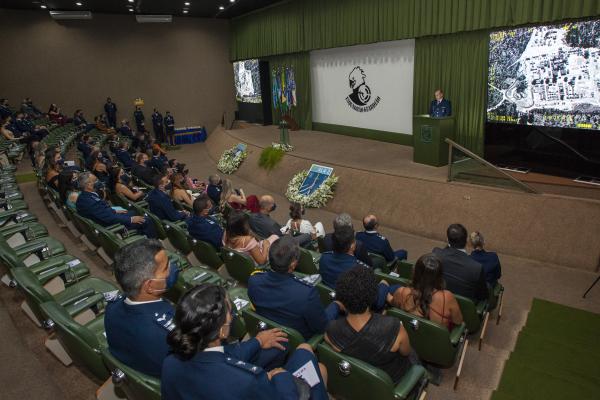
[546, 75]
[367, 86]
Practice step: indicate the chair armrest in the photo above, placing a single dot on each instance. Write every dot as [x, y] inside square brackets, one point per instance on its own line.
[81, 295]
[457, 333]
[25, 249]
[408, 382]
[482, 307]
[141, 203]
[180, 224]
[116, 228]
[315, 340]
[84, 303]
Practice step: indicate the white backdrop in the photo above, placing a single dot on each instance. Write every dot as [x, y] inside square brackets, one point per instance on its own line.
[388, 73]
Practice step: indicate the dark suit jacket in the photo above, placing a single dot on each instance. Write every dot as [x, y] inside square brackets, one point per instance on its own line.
[161, 205]
[144, 173]
[264, 226]
[360, 252]
[463, 275]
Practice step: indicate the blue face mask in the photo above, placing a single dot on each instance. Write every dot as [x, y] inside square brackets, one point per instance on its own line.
[173, 275]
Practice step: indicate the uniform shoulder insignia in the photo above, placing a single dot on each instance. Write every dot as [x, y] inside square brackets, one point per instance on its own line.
[111, 296]
[309, 280]
[253, 369]
[257, 272]
[381, 236]
[358, 262]
[164, 320]
[327, 252]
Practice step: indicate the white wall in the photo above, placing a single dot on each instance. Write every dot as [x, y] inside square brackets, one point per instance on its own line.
[388, 67]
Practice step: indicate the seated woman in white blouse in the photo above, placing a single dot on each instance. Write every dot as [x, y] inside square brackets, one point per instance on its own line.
[297, 225]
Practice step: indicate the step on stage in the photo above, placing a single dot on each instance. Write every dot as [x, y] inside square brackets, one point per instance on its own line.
[414, 198]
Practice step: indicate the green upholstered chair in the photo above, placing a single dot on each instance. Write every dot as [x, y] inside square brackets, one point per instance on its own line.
[405, 269]
[159, 227]
[86, 226]
[206, 253]
[18, 234]
[496, 300]
[239, 298]
[475, 316]
[350, 378]
[326, 294]
[380, 263]
[256, 323]
[433, 342]
[178, 236]
[239, 266]
[82, 342]
[308, 262]
[35, 250]
[13, 216]
[393, 278]
[134, 384]
[113, 238]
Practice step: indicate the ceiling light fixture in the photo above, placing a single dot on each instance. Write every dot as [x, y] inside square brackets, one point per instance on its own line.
[78, 4]
[43, 6]
[185, 11]
[221, 8]
[130, 9]
[187, 3]
[131, 1]
[232, 1]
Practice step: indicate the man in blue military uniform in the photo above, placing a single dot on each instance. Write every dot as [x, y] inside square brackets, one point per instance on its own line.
[333, 263]
[282, 297]
[5, 110]
[138, 116]
[201, 226]
[158, 161]
[110, 109]
[157, 124]
[377, 243]
[90, 205]
[440, 107]
[85, 146]
[160, 202]
[170, 128]
[125, 129]
[123, 155]
[137, 323]
[360, 251]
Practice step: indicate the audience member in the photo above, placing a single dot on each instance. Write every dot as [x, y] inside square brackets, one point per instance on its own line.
[238, 236]
[214, 189]
[142, 171]
[67, 188]
[52, 172]
[376, 243]
[55, 116]
[282, 297]
[297, 225]
[376, 339]
[264, 226]
[5, 130]
[463, 275]
[158, 161]
[201, 226]
[123, 156]
[178, 191]
[161, 204]
[138, 321]
[236, 198]
[122, 185]
[90, 205]
[5, 110]
[99, 168]
[30, 110]
[125, 129]
[333, 263]
[488, 259]
[360, 250]
[199, 359]
[85, 146]
[426, 297]
[157, 124]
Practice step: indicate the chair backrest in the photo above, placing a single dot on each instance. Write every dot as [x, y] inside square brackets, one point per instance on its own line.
[392, 279]
[9, 257]
[405, 269]
[307, 263]
[350, 378]
[256, 323]
[158, 223]
[206, 253]
[326, 294]
[82, 345]
[239, 266]
[238, 327]
[34, 292]
[379, 262]
[135, 385]
[430, 340]
[468, 309]
[178, 237]
[88, 229]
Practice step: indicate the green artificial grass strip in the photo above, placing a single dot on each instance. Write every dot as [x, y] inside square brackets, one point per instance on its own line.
[556, 356]
[23, 178]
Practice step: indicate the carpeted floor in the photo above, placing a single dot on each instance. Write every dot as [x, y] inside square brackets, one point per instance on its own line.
[556, 356]
[31, 372]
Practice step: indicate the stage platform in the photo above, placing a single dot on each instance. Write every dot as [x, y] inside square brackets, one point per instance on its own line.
[381, 177]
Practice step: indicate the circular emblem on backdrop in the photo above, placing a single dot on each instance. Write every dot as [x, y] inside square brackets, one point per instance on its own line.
[359, 99]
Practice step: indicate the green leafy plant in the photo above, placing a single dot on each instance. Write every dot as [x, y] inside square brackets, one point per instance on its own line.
[270, 157]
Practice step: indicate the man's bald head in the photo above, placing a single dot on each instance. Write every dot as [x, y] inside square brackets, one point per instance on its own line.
[266, 203]
[370, 222]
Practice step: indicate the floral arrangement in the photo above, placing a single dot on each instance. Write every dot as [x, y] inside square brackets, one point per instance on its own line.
[231, 159]
[318, 198]
[282, 146]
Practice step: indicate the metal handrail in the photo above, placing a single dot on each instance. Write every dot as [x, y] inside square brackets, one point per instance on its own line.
[468, 152]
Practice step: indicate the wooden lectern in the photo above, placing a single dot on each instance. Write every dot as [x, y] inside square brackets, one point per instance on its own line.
[429, 134]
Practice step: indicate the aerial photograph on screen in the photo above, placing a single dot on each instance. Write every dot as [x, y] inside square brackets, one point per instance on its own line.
[546, 75]
[247, 81]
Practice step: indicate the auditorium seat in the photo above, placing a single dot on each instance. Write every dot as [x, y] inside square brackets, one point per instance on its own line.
[350, 378]
[308, 262]
[379, 262]
[240, 301]
[206, 253]
[115, 237]
[178, 236]
[134, 384]
[256, 323]
[239, 266]
[18, 234]
[11, 217]
[433, 342]
[475, 315]
[392, 278]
